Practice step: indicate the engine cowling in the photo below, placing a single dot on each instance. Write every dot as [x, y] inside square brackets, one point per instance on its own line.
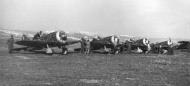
[115, 40]
[57, 36]
[61, 37]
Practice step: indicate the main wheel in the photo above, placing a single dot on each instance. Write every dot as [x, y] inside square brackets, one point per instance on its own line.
[64, 51]
[49, 51]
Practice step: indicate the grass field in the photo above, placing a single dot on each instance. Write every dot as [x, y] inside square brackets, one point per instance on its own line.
[35, 69]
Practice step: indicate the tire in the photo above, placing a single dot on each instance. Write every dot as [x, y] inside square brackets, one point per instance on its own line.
[49, 51]
[65, 51]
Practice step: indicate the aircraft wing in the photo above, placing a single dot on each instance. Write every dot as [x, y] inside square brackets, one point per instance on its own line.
[183, 42]
[70, 42]
[31, 43]
[184, 45]
[43, 44]
[163, 44]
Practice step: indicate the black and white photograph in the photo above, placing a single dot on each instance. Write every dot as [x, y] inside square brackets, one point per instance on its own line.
[94, 43]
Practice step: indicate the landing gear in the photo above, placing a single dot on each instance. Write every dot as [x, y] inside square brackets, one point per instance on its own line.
[117, 49]
[107, 50]
[49, 51]
[116, 52]
[64, 51]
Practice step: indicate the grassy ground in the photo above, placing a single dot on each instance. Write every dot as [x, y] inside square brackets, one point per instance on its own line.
[30, 69]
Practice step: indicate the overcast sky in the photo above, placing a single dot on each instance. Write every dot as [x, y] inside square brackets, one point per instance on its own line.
[147, 18]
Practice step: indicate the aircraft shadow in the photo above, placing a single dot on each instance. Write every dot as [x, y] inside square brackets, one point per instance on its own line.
[24, 50]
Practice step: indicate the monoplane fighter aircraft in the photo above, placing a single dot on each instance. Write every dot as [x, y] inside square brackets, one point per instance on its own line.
[108, 44]
[141, 44]
[54, 39]
[163, 47]
[184, 45]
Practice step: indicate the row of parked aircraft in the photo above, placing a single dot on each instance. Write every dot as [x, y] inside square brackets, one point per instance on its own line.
[61, 40]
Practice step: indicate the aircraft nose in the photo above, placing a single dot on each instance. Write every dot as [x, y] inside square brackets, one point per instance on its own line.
[63, 37]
